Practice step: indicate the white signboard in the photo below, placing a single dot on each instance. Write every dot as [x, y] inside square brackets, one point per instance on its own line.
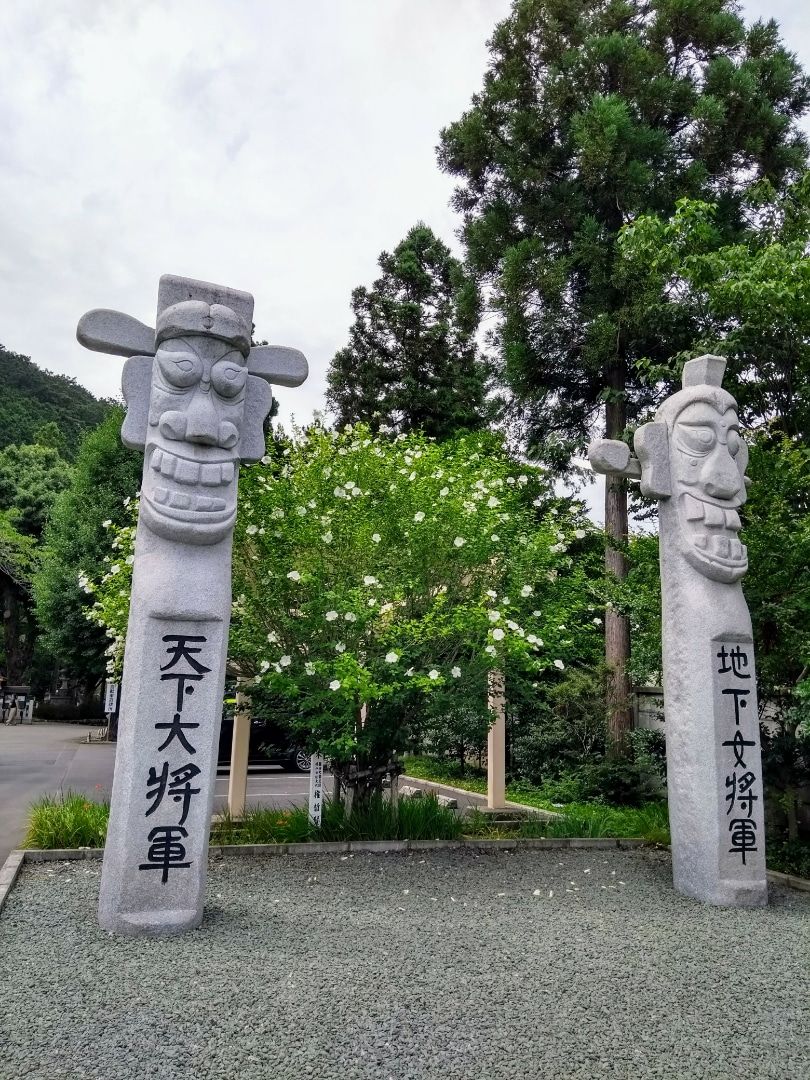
[110, 697]
[316, 789]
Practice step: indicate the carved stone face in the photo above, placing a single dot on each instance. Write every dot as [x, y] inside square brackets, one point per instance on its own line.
[196, 410]
[708, 461]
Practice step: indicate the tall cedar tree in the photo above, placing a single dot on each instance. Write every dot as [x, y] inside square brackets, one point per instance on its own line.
[593, 112]
[412, 362]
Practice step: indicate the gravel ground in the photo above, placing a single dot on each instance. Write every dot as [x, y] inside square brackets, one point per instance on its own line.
[412, 967]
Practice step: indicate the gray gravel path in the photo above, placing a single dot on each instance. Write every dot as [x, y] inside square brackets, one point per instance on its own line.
[411, 967]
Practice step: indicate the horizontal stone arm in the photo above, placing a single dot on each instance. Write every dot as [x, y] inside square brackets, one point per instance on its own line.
[278, 364]
[613, 457]
[103, 330]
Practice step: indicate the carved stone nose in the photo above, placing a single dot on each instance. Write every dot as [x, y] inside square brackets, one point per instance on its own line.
[228, 435]
[724, 481]
[173, 426]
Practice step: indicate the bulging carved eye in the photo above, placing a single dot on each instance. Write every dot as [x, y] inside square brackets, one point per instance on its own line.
[181, 369]
[733, 443]
[228, 378]
[696, 439]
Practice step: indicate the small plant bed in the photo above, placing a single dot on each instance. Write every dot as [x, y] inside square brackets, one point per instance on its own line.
[586, 819]
[72, 821]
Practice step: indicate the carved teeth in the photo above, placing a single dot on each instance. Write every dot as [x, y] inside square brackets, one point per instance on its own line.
[157, 457]
[161, 495]
[733, 520]
[167, 464]
[209, 505]
[211, 475]
[227, 472]
[701, 541]
[736, 549]
[713, 515]
[693, 508]
[179, 501]
[187, 472]
[721, 546]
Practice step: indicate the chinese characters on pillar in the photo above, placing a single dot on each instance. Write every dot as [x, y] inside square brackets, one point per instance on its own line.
[169, 786]
[740, 724]
[316, 789]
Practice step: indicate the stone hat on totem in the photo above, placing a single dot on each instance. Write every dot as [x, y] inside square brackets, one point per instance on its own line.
[186, 307]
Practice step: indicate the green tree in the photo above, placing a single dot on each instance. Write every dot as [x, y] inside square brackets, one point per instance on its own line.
[748, 300]
[370, 573]
[18, 562]
[412, 362]
[593, 112]
[30, 479]
[106, 474]
[31, 398]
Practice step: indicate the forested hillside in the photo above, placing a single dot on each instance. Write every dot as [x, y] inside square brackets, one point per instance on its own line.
[31, 397]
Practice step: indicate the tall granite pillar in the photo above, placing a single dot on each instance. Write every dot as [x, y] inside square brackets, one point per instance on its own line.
[693, 460]
[197, 395]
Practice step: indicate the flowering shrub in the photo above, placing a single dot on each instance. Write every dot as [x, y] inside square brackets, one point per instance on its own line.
[371, 573]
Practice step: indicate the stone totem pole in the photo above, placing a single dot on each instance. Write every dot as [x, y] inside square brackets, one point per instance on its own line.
[197, 395]
[693, 460]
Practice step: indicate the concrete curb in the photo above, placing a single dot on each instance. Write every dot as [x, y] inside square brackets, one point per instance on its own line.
[13, 864]
[547, 815]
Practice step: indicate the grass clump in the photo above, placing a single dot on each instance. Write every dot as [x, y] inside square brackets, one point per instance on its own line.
[67, 821]
[416, 819]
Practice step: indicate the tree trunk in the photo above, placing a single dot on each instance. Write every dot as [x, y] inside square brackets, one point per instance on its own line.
[617, 627]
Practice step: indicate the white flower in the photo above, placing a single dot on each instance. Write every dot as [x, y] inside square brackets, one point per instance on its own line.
[331, 616]
[115, 569]
[371, 602]
[294, 575]
[455, 672]
[498, 634]
[419, 516]
[444, 491]
[327, 538]
[409, 671]
[130, 559]
[272, 637]
[309, 668]
[264, 666]
[493, 615]
[527, 590]
[511, 481]
[301, 511]
[523, 479]
[597, 622]
[340, 493]
[391, 657]
[266, 459]
[376, 537]
[277, 513]
[533, 639]
[251, 530]
[433, 673]
[327, 472]
[513, 626]
[106, 524]
[285, 661]
[492, 593]
[369, 579]
[494, 538]
[492, 502]
[459, 541]
[350, 616]
[580, 534]
[559, 664]
[538, 501]
[340, 647]
[562, 626]
[334, 684]
[491, 650]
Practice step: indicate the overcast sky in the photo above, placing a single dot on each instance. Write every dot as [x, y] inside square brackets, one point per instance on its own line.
[267, 145]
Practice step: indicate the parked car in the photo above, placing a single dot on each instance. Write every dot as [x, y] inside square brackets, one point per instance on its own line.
[271, 743]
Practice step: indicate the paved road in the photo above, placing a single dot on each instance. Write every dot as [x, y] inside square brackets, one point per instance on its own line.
[40, 759]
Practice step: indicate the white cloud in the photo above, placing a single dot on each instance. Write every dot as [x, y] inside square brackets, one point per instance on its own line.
[267, 146]
[274, 148]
